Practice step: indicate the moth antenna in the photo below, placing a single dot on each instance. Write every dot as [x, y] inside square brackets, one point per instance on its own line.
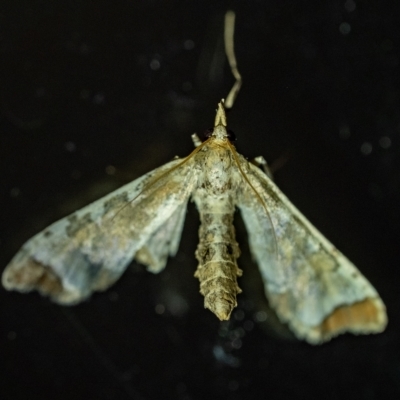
[257, 195]
[148, 186]
[229, 31]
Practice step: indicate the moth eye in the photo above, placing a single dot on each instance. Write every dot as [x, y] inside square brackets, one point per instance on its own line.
[231, 135]
[208, 132]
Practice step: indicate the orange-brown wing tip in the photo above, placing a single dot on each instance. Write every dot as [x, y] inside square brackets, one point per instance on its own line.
[361, 318]
[364, 317]
[30, 276]
[26, 274]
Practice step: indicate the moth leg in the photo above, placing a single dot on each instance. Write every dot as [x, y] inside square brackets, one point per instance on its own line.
[196, 140]
[262, 163]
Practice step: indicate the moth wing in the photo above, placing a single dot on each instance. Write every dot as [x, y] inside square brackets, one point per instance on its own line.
[164, 242]
[312, 286]
[89, 250]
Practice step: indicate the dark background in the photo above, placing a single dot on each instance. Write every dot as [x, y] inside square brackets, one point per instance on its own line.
[94, 94]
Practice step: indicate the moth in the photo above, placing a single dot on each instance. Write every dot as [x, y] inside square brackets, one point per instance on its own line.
[313, 287]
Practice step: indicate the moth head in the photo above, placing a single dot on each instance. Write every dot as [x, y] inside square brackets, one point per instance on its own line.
[228, 134]
[220, 130]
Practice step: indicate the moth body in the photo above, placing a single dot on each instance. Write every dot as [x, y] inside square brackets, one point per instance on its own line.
[217, 250]
[310, 284]
[313, 287]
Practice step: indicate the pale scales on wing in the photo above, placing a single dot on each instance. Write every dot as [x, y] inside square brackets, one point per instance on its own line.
[312, 286]
[91, 248]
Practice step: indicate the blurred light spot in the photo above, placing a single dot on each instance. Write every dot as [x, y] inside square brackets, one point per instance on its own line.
[344, 132]
[236, 344]
[385, 142]
[236, 333]
[155, 64]
[241, 331]
[366, 148]
[160, 309]
[225, 358]
[70, 146]
[233, 385]
[99, 98]
[110, 170]
[238, 315]
[188, 44]
[176, 304]
[224, 329]
[260, 316]
[248, 325]
[350, 5]
[15, 192]
[344, 28]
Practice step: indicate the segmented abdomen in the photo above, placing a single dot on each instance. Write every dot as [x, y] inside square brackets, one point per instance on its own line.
[217, 253]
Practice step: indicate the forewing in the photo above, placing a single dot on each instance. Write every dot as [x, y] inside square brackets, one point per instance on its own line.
[91, 248]
[312, 286]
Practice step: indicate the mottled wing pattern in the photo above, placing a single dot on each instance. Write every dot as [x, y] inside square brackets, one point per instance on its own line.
[90, 249]
[312, 286]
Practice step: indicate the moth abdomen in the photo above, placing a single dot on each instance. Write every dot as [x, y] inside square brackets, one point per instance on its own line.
[217, 270]
[218, 285]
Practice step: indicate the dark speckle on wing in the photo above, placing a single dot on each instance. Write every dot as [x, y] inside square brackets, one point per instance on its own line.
[75, 223]
[115, 201]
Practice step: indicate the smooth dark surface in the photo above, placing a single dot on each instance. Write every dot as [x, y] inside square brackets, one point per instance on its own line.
[89, 85]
